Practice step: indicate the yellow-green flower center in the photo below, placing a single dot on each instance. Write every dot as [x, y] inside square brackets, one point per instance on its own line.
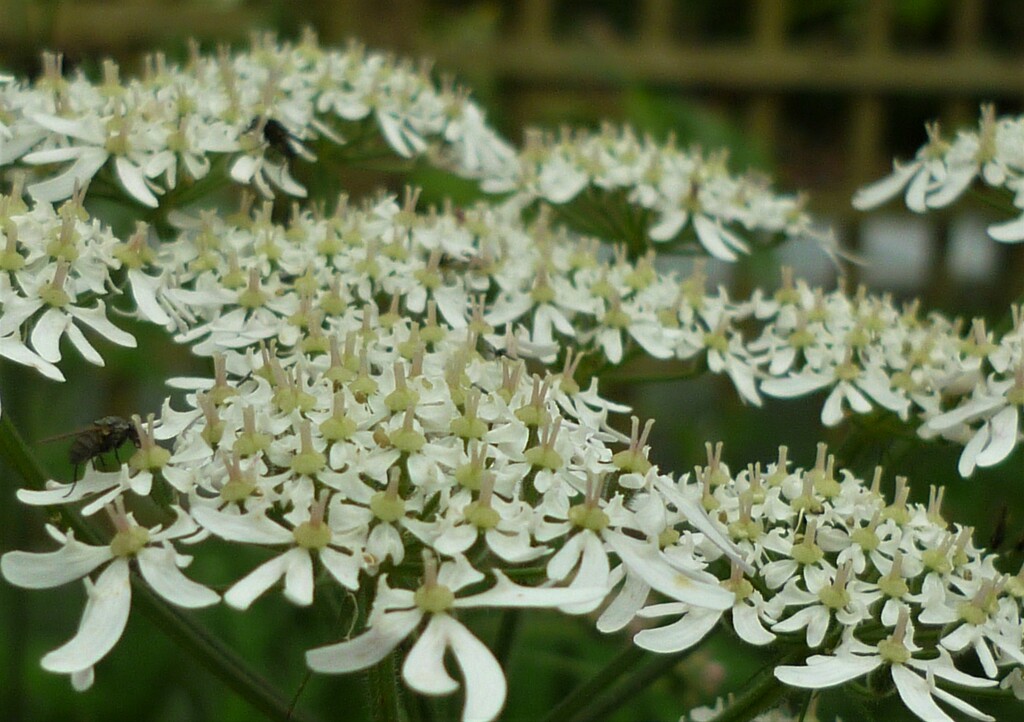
[128, 542]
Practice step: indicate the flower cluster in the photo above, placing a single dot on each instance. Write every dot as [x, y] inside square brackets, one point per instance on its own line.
[55, 270]
[547, 290]
[943, 170]
[873, 586]
[404, 404]
[669, 190]
[233, 283]
[365, 461]
[400, 442]
[246, 115]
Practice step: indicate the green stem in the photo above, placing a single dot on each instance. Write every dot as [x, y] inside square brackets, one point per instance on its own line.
[15, 454]
[190, 636]
[510, 622]
[760, 692]
[579, 698]
[385, 697]
[1000, 201]
[627, 685]
[212, 654]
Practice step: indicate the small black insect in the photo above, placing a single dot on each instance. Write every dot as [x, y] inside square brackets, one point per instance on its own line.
[101, 437]
[278, 137]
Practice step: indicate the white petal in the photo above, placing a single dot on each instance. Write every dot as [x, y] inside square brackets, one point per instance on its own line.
[514, 547]
[917, 190]
[645, 561]
[792, 386]
[485, 682]
[282, 178]
[253, 528]
[969, 456]
[1002, 436]
[591, 576]
[710, 236]
[243, 169]
[144, 291]
[679, 635]
[1008, 231]
[259, 580]
[83, 679]
[915, 693]
[944, 669]
[134, 182]
[368, 648]
[47, 332]
[79, 173]
[53, 155]
[14, 349]
[458, 573]
[389, 125]
[954, 184]
[965, 412]
[611, 341]
[41, 571]
[160, 571]
[821, 671]
[652, 338]
[565, 559]
[343, 567]
[298, 578]
[742, 376]
[624, 607]
[698, 518]
[96, 319]
[747, 624]
[669, 225]
[103, 622]
[77, 128]
[423, 669]
[385, 541]
[858, 402]
[882, 190]
[81, 343]
[832, 409]
[508, 594]
[964, 707]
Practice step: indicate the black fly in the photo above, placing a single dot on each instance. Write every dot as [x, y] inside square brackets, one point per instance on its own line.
[278, 137]
[101, 437]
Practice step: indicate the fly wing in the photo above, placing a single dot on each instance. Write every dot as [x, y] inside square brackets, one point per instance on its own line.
[68, 434]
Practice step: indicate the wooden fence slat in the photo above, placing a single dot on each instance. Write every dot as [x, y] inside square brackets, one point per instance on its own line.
[736, 67]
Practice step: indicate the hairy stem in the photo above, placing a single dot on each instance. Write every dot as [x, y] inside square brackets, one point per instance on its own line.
[385, 698]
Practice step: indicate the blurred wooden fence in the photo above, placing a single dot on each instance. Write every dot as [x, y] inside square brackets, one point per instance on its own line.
[529, 51]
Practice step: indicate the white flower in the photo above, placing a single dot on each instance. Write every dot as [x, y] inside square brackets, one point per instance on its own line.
[109, 597]
[998, 403]
[58, 318]
[14, 349]
[397, 612]
[856, 659]
[917, 176]
[126, 138]
[309, 534]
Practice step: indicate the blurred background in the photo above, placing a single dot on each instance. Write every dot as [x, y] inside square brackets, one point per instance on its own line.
[818, 94]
